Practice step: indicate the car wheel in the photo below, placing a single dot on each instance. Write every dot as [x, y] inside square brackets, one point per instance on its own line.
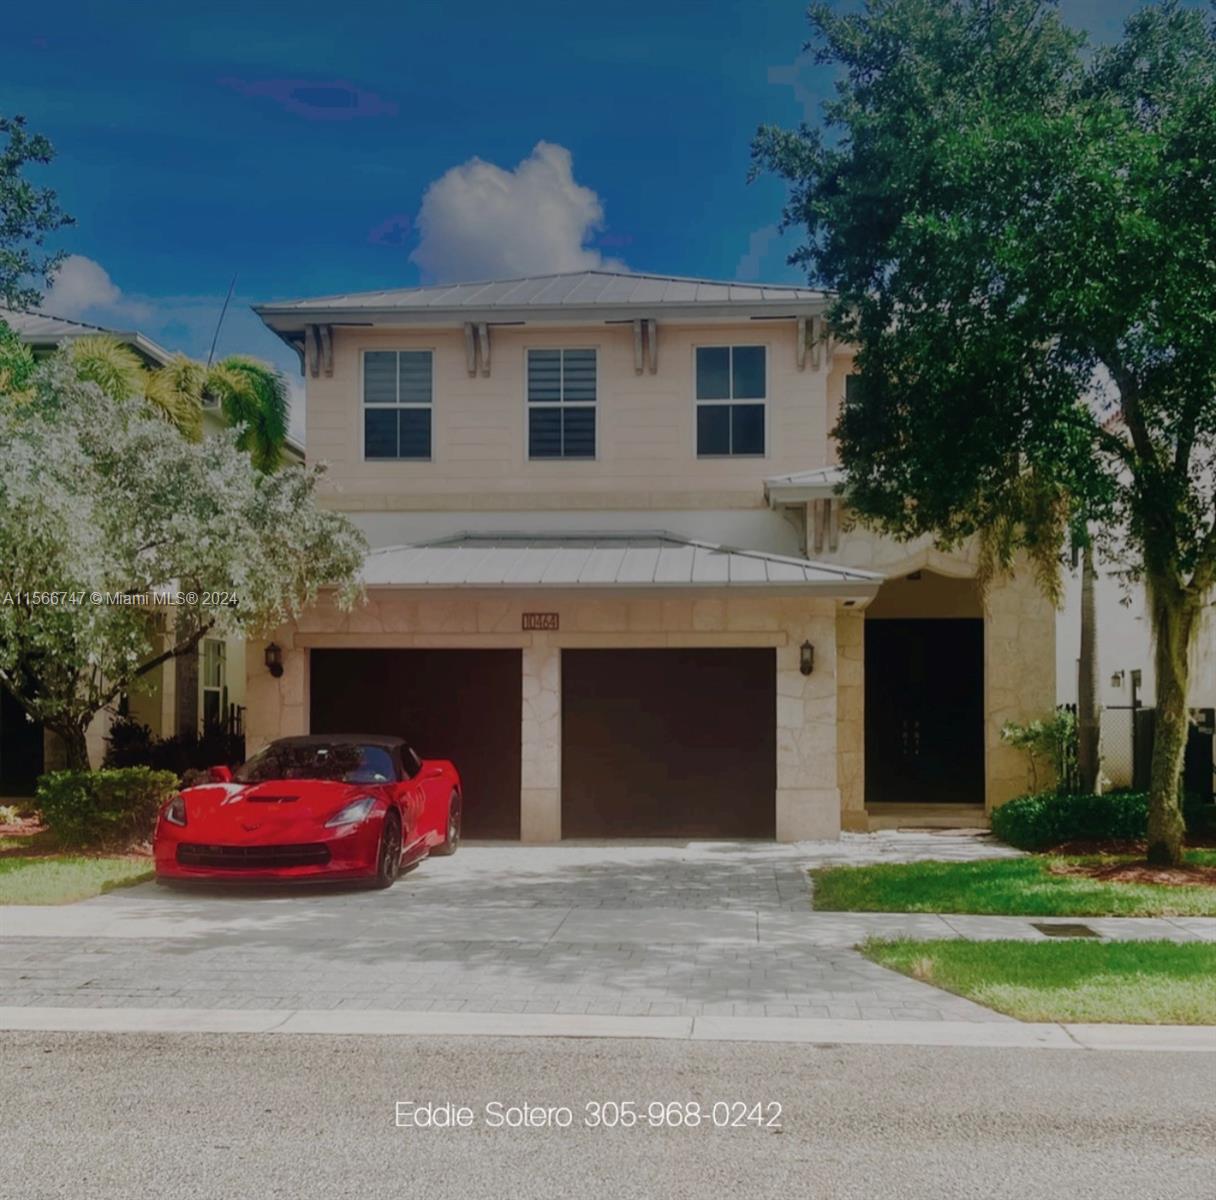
[451, 842]
[388, 860]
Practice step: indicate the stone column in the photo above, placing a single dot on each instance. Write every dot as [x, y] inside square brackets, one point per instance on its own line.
[808, 794]
[540, 818]
[851, 717]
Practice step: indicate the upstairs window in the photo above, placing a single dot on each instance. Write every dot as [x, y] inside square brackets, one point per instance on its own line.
[561, 403]
[732, 386]
[397, 404]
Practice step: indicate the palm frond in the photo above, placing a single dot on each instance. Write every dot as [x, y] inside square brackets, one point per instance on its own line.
[110, 364]
[254, 394]
[176, 392]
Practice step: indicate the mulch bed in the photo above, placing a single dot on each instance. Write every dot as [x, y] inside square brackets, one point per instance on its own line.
[1138, 872]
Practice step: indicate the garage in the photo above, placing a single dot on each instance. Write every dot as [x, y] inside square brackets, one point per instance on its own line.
[668, 743]
[459, 704]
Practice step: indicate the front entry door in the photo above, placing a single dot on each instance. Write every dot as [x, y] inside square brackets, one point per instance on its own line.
[925, 711]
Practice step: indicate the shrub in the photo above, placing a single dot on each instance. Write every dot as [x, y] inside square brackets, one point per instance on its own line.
[1047, 819]
[103, 808]
[130, 744]
[1051, 741]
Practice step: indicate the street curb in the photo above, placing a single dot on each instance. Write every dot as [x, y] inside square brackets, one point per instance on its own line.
[1008, 1035]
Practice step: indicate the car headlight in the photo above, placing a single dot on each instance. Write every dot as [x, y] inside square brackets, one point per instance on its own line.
[357, 810]
[175, 811]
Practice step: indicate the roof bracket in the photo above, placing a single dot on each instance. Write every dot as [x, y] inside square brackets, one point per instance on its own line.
[800, 344]
[483, 344]
[652, 344]
[327, 348]
[310, 350]
[470, 348]
[638, 348]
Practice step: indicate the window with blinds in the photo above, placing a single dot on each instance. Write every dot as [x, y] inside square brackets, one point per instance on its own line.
[561, 403]
[397, 387]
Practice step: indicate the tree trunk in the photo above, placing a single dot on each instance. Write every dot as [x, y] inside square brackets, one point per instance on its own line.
[1174, 616]
[1087, 680]
[75, 746]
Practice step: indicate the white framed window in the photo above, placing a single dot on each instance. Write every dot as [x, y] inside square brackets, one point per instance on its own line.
[397, 395]
[732, 389]
[561, 388]
[215, 682]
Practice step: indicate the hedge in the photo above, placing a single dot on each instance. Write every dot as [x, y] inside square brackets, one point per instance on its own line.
[103, 808]
[1037, 821]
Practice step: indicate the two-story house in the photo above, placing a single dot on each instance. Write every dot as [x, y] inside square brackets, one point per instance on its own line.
[611, 579]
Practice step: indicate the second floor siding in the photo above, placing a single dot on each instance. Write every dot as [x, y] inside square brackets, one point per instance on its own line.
[645, 442]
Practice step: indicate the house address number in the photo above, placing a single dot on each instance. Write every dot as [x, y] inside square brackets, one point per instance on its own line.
[540, 621]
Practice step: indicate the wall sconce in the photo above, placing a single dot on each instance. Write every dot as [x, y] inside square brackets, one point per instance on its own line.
[1116, 680]
[806, 658]
[274, 660]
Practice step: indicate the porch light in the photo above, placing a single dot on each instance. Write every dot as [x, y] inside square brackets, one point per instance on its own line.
[806, 659]
[274, 660]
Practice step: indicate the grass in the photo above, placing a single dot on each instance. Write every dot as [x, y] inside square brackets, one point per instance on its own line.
[29, 874]
[1021, 887]
[1142, 983]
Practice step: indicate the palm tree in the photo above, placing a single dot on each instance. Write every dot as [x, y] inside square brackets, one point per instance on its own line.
[251, 394]
[119, 372]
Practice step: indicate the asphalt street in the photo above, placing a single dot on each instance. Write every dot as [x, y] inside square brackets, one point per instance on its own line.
[133, 1116]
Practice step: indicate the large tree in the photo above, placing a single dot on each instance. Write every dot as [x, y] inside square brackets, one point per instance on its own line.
[27, 214]
[1019, 228]
[100, 501]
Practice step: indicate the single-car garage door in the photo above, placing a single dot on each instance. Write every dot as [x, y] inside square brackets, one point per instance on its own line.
[669, 743]
[464, 705]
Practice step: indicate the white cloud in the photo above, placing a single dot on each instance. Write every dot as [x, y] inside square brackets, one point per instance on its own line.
[479, 221]
[82, 287]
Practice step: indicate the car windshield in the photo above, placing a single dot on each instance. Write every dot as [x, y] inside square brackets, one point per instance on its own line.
[345, 761]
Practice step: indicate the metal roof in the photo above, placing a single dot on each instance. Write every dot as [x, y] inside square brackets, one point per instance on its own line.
[601, 560]
[43, 329]
[575, 289]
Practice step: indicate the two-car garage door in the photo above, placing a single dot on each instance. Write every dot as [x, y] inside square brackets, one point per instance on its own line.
[655, 743]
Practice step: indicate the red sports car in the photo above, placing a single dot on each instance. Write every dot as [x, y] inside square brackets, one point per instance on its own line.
[312, 808]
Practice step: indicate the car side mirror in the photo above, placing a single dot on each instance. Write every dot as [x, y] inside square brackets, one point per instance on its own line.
[220, 774]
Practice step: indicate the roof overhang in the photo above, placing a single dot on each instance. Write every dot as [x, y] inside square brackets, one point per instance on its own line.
[606, 561]
[823, 483]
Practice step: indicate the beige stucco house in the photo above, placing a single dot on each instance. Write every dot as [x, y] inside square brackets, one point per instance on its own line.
[612, 579]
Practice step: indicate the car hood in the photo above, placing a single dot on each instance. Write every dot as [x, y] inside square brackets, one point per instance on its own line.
[216, 807]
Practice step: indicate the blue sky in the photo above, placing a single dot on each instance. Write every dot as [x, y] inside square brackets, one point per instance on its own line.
[315, 148]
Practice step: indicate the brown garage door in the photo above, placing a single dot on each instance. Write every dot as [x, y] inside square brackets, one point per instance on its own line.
[458, 704]
[668, 743]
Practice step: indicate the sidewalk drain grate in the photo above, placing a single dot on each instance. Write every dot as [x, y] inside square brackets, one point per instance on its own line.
[1064, 929]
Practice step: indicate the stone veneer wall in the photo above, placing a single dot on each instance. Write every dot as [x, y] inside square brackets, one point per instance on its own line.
[808, 803]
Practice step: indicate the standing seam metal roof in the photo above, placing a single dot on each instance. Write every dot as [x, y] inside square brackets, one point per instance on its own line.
[644, 559]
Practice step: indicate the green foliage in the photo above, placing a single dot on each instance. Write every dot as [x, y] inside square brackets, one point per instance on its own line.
[27, 214]
[103, 808]
[16, 362]
[1048, 819]
[253, 396]
[1049, 743]
[131, 744]
[1014, 226]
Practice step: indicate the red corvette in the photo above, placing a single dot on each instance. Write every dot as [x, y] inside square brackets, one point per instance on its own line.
[312, 808]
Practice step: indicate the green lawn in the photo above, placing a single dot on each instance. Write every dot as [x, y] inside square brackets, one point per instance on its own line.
[1010, 886]
[63, 878]
[1143, 983]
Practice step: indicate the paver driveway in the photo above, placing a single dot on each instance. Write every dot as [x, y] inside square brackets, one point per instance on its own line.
[686, 929]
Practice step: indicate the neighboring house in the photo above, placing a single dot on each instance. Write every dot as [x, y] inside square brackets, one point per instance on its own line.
[182, 696]
[611, 577]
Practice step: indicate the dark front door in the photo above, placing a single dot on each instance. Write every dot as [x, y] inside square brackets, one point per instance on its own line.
[925, 711]
[463, 705]
[669, 743]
